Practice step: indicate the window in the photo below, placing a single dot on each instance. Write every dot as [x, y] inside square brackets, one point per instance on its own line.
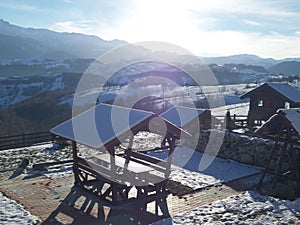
[287, 105]
[260, 103]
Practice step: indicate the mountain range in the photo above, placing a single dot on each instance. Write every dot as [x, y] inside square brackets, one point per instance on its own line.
[40, 70]
[28, 43]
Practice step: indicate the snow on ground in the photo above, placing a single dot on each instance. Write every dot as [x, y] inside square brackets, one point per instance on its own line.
[49, 152]
[240, 109]
[53, 173]
[11, 213]
[189, 170]
[247, 208]
[12, 158]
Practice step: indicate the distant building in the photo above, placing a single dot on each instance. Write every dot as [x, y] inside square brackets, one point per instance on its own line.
[191, 119]
[266, 99]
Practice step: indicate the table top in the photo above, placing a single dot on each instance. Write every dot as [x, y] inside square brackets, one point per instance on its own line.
[120, 162]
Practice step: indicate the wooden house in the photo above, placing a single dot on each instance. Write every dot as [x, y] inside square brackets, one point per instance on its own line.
[266, 99]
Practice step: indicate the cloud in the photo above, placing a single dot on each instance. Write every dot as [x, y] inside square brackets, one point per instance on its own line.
[272, 45]
[251, 22]
[80, 26]
[245, 7]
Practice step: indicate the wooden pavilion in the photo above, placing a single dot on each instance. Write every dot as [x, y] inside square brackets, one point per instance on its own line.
[110, 176]
[283, 127]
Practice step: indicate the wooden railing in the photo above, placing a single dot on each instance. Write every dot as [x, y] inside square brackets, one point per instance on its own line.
[25, 140]
[237, 121]
[240, 121]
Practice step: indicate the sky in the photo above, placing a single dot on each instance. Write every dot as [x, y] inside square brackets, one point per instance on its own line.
[205, 27]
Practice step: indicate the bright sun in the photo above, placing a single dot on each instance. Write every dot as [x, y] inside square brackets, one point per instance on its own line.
[171, 21]
[158, 21]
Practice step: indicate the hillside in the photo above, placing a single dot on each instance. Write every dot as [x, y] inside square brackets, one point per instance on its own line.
[39, 113]
[286, 68]
[17, 42]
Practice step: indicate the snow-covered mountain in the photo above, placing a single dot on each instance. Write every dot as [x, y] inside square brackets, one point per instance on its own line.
[23, 79]
[15, 90]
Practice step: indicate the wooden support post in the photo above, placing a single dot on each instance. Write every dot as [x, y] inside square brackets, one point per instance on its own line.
[294, 161]
[114, 191]
[75, 164]
[171, 141]
[272, 153]
[74, 148]
[128, 151]
[278, 169]
[274, 148]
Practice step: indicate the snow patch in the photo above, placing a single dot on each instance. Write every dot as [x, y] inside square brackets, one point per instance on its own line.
[187, 168]
[247, 208]
[12, 213]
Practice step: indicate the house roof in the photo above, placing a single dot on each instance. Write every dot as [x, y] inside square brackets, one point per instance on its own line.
[293, 115]
[274, 124]
[285, 90]
[181, 116]
[104, 124]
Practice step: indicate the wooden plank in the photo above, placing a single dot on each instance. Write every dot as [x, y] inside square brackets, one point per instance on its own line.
[157, 167]
[149, 158]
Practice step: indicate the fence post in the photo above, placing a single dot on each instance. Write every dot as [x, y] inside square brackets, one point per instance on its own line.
[23, 139]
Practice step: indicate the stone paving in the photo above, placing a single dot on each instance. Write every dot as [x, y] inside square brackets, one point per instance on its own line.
[48, 199]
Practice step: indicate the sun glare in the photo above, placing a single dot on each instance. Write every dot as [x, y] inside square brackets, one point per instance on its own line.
[170, 21]
[158, 21]
[194, 25]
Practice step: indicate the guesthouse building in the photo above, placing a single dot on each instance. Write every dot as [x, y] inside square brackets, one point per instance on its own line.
[266, 99]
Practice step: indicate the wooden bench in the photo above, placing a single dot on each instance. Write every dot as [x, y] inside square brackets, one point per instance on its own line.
[116, 168]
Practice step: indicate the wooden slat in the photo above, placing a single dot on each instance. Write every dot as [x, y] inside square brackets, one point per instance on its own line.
[148, 158]
[94, 168]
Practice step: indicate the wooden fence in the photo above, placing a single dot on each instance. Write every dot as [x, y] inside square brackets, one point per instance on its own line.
[25, 140]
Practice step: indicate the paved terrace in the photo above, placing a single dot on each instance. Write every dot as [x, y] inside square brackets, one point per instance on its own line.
[56, 201]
